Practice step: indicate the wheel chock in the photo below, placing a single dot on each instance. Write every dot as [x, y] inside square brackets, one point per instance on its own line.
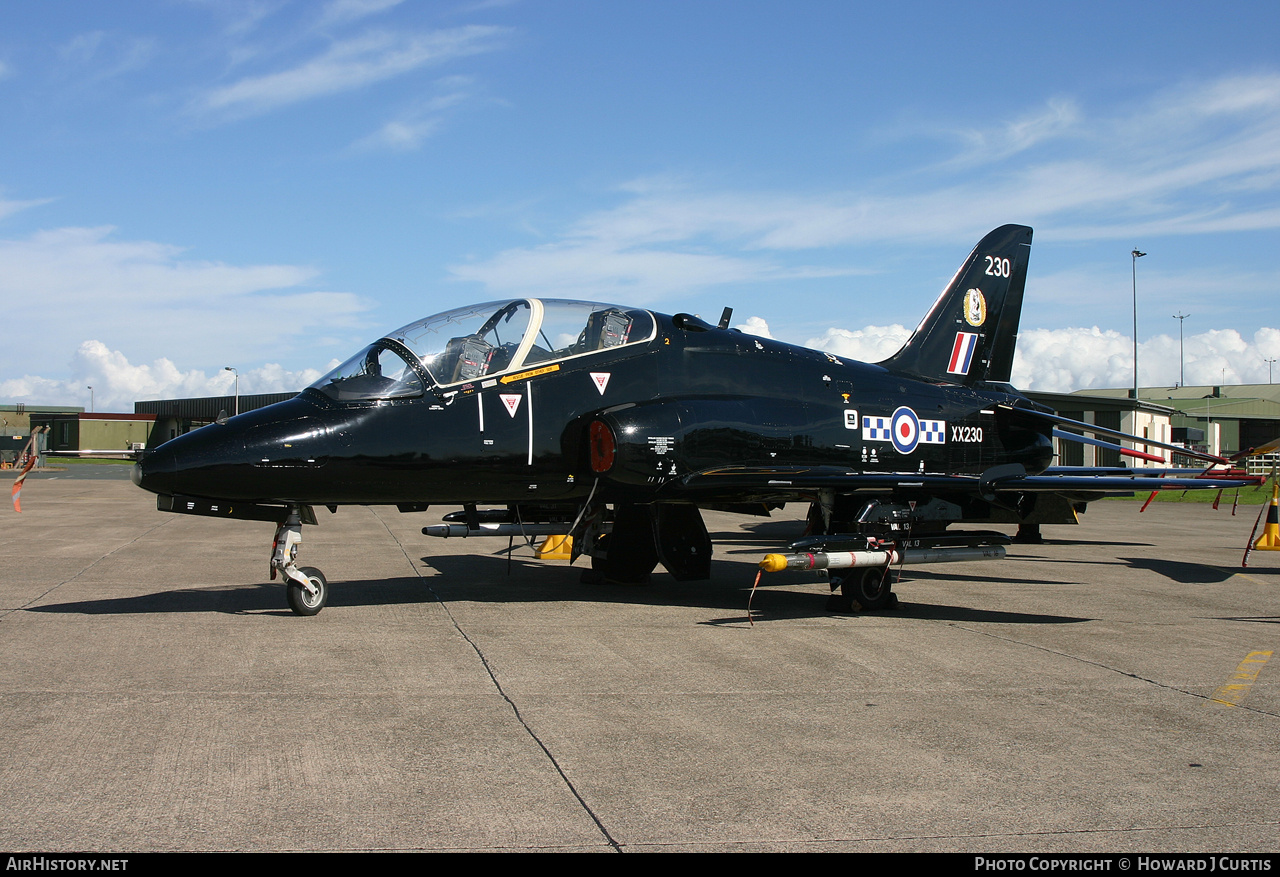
[556, 548]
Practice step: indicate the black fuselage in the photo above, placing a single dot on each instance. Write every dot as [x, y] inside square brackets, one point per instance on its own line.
[692, 398]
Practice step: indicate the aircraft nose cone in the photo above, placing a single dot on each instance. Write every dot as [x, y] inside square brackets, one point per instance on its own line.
[155, 471]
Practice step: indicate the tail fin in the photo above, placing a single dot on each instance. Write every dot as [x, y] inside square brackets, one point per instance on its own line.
[969, 334]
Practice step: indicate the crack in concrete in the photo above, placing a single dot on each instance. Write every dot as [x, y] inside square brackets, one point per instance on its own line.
[497, 684]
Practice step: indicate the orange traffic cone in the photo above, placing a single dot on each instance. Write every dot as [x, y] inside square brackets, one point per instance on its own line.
[1270, 538]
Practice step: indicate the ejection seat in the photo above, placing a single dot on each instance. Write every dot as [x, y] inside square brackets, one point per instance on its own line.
[606, 329]
[466, 358]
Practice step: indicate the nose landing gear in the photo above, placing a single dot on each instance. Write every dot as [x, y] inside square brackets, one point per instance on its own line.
[307, 590]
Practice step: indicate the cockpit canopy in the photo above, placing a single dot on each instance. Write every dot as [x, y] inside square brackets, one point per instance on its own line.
[474, 342]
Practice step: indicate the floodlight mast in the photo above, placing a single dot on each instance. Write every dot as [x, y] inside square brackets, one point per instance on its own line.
[228, 368]
[1137, 254]
[1182, 362]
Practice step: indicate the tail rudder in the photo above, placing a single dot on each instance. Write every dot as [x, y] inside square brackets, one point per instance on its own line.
[969, 334]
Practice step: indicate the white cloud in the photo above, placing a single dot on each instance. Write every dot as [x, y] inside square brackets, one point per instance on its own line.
[1059, 118]
[755, 326]
[117, 383]
[103, 55]
[619, 253]
[407, 131]
[481, 5]
[349, 65]
[81, 48]
[596, 270]
[346, 11]
[869, 344]
[8, 208]
[65, 285]
[401, 135]
[1064, 360]
[81, 266]
[1197, 160]
[245, 17]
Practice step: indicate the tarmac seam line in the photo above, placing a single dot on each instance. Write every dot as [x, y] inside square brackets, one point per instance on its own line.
[6, 613]
[1205, 697]
[609, 838]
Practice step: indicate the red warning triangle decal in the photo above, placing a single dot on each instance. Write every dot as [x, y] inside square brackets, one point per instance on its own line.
[601, 379]
[512, 401]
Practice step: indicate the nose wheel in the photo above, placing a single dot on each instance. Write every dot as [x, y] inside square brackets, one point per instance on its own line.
[306, 588]
[304, 600]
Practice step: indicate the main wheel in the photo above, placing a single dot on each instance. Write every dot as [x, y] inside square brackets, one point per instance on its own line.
[870, 587]
[302, 601]
[627, 555]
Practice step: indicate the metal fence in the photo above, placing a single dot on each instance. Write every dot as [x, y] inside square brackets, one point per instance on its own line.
[1263, 464]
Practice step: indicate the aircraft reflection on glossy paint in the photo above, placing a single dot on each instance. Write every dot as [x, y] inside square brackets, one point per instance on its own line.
[616, 425]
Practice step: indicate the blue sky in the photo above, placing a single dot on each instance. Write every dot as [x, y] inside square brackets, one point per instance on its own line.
[189, 184]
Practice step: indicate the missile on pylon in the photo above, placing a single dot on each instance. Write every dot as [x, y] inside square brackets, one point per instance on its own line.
[847, 559]
[827, 560]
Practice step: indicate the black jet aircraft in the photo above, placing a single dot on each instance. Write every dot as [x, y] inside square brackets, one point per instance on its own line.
[617, 425]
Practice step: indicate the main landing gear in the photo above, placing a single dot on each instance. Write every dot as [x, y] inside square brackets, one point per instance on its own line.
[307, 590]
[860, 544]
[870, 588]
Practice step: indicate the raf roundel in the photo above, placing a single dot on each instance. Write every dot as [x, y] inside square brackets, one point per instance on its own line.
[905, 430]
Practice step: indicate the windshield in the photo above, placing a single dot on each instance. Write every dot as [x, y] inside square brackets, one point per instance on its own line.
[474, 342]
[377, 372]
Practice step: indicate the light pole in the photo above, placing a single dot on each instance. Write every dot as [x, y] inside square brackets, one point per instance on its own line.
[1182, 373]
[1137, 254]
[228, 368]
[90, 399]
[1269, 362]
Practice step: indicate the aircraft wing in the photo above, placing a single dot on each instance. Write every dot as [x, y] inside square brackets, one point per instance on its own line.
[783, 480]
[1065, 483]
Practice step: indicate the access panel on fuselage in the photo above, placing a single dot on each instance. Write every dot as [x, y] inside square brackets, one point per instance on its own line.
[748, 400]
[511, 438]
